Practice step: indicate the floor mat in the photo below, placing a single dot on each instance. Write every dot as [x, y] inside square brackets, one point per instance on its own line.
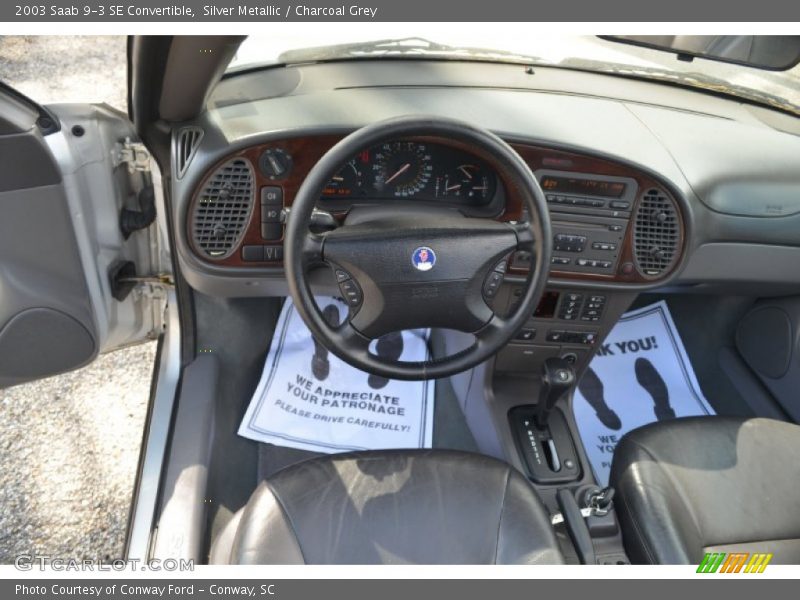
[308, 399]
[640, 374]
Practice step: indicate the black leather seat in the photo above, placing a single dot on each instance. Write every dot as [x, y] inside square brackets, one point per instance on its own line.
[709, 484]
[417, 507]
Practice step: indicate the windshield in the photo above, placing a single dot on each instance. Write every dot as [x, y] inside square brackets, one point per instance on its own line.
[471, 41]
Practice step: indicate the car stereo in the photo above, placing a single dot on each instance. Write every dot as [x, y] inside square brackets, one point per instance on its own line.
[590, 215]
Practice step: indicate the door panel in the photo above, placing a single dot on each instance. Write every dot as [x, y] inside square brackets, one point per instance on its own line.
[60, 199]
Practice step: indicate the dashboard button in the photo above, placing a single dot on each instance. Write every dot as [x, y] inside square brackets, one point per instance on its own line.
[492, 284]
[526, 335]
[603, 246]
[270, 214]
[351, 292]
[502, 266]
[272, 195]
[273, 253]
[521, 260]
[253, 253]
[342, 275]
[621, 204]
[271, 231]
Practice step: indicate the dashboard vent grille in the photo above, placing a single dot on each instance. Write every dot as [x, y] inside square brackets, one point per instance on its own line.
[223, 209]
[656, 234]
[186, 143]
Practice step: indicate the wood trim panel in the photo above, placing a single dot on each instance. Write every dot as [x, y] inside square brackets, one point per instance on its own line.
[306, 151]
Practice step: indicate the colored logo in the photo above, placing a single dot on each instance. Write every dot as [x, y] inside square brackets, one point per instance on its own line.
[734, 562]
[423, 258]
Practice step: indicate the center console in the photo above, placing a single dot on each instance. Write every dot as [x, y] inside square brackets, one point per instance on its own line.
[562, 334]
[568, 323]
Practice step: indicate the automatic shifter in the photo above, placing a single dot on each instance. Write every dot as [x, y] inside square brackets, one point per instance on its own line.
[558, 377]
[542, 431]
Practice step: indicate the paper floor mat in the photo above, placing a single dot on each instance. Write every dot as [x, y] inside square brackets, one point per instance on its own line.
[640, 374]
[309, 399]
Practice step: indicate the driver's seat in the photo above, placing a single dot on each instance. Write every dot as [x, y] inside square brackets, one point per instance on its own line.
[389, 507]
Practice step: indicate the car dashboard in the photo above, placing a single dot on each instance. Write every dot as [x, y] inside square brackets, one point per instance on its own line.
[611, 222]
[648, 186]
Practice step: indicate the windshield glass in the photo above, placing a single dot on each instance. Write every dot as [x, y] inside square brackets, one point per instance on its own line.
[471, 41]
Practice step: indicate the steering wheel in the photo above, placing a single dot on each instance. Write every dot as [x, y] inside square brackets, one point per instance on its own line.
[417, 269]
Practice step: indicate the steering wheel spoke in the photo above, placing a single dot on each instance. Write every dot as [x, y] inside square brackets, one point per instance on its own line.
[313, 245]
[496, 327]
[352, 339]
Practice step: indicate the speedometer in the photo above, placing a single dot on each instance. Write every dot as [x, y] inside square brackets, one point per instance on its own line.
[402, 169]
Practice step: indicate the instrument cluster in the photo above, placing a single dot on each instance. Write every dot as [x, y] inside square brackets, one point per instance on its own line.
[410, 170]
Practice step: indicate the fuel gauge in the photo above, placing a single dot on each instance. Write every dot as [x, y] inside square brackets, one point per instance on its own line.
[347, 182]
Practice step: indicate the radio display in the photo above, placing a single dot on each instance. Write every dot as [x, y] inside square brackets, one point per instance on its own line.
[592, 187]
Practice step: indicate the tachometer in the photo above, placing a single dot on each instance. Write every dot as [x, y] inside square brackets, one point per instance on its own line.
[402, 169]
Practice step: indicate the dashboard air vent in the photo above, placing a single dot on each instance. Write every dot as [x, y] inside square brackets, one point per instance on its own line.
[656, 234]
[223, 209]
[186, 143]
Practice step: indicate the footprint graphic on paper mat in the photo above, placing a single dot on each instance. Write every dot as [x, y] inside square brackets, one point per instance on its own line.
[592, 389]
[389, 346]
[320, 365]
[650, 380]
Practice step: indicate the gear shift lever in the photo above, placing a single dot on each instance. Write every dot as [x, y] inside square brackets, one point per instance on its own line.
[558, 376]
[542, 431]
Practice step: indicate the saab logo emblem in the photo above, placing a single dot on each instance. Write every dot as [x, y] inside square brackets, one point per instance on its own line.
[423, 258]
[735, 562]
